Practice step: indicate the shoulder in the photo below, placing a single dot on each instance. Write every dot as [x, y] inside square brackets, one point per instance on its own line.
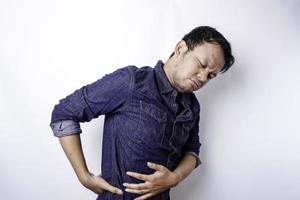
[139, 79]
[143, 77]
[139, 73]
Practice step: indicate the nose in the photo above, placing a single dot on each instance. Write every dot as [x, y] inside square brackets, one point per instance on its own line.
[202, 76]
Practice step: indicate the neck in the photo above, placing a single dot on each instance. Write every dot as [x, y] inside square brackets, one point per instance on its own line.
[168, 68]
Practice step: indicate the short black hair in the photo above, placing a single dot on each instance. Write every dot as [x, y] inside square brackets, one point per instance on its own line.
[202, 34]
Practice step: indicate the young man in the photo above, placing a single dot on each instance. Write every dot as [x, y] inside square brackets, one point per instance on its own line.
[150, 136]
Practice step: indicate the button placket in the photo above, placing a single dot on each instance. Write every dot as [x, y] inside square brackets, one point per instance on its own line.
[172, 138]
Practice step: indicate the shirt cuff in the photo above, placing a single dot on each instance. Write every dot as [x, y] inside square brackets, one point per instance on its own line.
[198, 161]
[65, 127]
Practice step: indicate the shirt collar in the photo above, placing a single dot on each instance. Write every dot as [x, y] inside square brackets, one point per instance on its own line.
[164, 84]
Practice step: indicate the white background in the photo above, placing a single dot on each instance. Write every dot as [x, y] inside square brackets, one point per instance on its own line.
[250, 115]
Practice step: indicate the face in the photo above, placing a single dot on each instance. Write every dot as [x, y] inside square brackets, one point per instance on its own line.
[193, 69]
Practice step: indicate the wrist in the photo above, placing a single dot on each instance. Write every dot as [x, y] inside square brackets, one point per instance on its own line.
[177, 177]
[84, 177]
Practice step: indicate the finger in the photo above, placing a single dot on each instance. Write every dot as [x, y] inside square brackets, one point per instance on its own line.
[139, 186]
[111, 188]
[143, 177]
[155, 166]
[136, 191]
[145, 196]
[98, 191]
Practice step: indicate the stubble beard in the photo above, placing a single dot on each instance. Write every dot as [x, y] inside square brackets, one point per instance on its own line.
[179, 83]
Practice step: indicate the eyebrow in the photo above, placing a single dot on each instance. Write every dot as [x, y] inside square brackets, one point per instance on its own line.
[201, 63]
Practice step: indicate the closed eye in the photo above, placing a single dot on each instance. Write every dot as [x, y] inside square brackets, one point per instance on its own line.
[201, 64]
[211, 76]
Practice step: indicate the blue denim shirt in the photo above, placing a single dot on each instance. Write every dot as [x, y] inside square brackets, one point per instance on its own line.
[141, 123]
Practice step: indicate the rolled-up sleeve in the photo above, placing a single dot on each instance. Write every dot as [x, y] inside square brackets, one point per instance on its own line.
[192, 146]
[103, 96]
[65, 127]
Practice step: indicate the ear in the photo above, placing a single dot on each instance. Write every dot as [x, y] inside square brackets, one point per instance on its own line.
[181, 48]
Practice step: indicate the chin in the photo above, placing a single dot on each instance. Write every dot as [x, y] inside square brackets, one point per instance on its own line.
[183, 88]
[186, 90]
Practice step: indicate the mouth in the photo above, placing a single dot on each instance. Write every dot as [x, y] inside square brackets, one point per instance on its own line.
[195, 84]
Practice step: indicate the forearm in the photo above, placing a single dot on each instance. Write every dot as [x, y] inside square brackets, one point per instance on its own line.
[185, 167]
[72, 147]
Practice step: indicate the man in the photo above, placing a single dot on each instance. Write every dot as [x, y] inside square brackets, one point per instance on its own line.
[150, 136]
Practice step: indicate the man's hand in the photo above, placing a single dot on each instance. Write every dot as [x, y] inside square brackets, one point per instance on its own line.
[98, 185]
[154, 184]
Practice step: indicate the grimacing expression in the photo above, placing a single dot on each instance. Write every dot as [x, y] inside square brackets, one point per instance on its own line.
[193, 69]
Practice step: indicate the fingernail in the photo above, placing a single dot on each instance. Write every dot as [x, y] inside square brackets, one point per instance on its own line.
[120, 192]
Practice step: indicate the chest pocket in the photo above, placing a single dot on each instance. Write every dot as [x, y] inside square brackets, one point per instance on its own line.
[182, 133]
[152, 126]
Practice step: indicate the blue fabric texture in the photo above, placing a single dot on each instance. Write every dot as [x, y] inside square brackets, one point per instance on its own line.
[141, 124]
